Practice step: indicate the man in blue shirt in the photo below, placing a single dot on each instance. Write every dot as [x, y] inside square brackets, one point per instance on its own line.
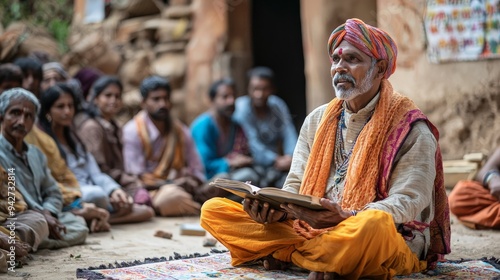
[221, 142]
[267, 123]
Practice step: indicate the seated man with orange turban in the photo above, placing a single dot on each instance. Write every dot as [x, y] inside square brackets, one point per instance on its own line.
[373, 158]
[476, 202]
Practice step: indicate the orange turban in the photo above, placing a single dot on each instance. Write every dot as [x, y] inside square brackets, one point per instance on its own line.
[370, 40]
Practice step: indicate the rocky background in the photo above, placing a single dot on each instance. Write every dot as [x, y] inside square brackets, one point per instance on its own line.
[137, 39]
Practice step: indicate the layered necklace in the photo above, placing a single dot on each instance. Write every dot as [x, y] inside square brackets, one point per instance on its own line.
[341, 158]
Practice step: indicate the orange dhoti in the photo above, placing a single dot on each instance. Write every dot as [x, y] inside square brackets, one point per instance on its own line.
[474, 205]
[363, 245]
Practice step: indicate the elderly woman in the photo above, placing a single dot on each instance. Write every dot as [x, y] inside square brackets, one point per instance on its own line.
[53, 72]
[102, 136]
[56, 118]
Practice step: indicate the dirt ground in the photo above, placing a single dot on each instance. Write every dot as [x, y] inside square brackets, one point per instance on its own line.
[136, 242]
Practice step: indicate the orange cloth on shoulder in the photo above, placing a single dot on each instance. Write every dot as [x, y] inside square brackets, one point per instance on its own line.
[364, 166]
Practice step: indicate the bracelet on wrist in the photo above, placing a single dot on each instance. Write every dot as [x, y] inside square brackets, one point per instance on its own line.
[354, 212]
[488, 176]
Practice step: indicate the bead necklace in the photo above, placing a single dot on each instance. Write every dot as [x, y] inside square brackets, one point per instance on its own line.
[341, 158]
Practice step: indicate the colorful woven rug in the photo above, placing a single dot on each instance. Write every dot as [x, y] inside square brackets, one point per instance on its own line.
[218, 266]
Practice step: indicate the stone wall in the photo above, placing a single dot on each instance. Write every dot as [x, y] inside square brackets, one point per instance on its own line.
[183, 41]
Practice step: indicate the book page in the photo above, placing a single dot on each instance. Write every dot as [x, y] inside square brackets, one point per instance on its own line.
[238, 188]
[237, 185]
[282, 196]
[274, 196]
[254, 189]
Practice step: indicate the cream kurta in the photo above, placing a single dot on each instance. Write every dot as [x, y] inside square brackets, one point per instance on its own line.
[411, 185]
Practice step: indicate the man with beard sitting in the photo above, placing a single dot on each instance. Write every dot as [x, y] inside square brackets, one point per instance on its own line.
[373, 159]
[160, 150]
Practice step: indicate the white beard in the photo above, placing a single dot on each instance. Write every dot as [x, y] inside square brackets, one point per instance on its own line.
[355, 90]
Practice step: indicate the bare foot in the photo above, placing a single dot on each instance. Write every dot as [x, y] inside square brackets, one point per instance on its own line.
[135, 214]
[97, 225]
[122, 211]
[21, 248]
[96, 218]
[89, 211]
[271, 263]
[321, 275]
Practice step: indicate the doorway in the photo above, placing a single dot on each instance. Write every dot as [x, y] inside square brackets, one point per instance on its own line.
[277, 43]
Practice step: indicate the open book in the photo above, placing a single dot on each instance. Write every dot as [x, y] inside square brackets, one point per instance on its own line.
[273, 196]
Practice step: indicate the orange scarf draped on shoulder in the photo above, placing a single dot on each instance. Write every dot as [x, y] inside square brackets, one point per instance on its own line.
[172, 156]
[364, 165]
[371, 163]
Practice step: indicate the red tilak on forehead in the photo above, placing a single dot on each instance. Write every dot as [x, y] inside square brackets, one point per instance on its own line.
[340, 51]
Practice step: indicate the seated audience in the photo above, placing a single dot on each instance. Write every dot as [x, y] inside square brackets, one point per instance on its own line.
[56, 118]
[160, 150]
[268, 126]
[373, 159]
[96, 218]
[18, 110]
[102, 136]
[476, 203]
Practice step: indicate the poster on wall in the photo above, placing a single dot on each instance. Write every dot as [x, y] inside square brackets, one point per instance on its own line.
[461, 30]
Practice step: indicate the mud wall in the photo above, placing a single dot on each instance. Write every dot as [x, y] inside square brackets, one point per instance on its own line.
[461, 98]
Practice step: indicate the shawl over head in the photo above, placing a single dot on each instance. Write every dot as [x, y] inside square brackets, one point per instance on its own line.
[56, 66]
[87, 76]
[372, 41]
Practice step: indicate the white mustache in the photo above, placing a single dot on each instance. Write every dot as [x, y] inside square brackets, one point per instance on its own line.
[345, 77]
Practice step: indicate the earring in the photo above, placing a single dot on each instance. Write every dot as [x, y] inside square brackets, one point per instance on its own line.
[48, 117]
